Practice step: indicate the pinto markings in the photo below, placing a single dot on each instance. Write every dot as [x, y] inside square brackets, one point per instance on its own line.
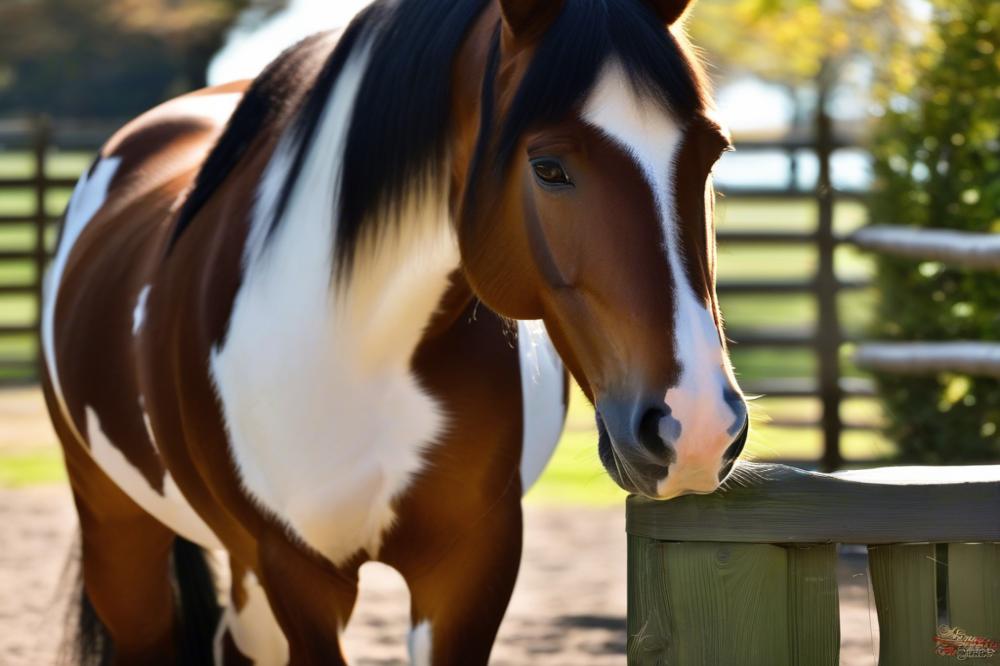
[346, 423]
[171, 508]
[420, 644]
[88, 197]
[253, 627]
[543, 391]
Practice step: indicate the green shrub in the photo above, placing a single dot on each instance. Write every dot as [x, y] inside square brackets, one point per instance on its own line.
[937, 164]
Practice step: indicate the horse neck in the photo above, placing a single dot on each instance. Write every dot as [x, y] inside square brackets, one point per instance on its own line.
[377, 314]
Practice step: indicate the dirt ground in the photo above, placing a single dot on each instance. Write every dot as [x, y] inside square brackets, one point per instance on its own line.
[568, 608]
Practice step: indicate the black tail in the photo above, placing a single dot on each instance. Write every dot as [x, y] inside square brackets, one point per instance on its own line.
[90, 644]
[198, 605]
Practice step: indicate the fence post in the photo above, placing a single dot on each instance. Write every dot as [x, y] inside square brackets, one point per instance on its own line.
[828, 336]
[42, 139]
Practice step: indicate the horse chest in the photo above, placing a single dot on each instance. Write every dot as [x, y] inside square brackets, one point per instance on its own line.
[326, 422]
[322, 448]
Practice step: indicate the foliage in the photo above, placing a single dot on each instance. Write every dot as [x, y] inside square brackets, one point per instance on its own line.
[937, 164]
[109, 58]
[792, 41]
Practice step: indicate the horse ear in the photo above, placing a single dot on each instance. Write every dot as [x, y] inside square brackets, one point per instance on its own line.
[527, 18]
[670, 10]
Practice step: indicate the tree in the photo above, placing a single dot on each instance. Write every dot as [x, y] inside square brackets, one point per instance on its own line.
[804, 45]
[109, 58]
[937, 164]
[790, 41]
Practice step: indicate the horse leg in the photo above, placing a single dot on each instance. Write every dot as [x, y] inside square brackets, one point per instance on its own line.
[457, 606]
[248, 632]
[126, 572]
[311, 599]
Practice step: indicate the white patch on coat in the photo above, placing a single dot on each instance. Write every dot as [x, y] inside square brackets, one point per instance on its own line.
[170, 508]
[653, 138]
[88, 197]
[327, 424]
[148, 426]
[255, 630]
[542, 399]
[139, 312]
[420, 644]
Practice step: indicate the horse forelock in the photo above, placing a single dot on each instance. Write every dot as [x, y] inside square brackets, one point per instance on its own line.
[566, 65]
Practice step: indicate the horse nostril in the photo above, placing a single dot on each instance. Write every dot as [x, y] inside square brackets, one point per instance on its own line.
[650, 436]
[734, 450]
[636, 429]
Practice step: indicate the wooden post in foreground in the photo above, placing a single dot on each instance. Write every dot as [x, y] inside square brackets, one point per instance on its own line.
[747, 576]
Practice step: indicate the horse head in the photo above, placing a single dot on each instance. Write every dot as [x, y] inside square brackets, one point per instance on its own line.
[588, 204]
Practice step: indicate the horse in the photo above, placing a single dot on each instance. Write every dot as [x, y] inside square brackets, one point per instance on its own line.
[325, 317]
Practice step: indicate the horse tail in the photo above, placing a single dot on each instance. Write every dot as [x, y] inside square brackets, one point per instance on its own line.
[87, 641]
[197, 602]
[90, 644]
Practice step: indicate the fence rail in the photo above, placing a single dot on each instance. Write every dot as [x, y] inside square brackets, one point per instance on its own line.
[824, 339]
[747, 575]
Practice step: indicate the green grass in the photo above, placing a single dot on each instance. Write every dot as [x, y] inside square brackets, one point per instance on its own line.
[575, 475]
[36, 467]
[21, 164]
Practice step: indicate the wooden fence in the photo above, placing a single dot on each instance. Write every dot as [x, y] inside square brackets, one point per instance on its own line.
[963, 249]
[827, 336]
[22, 266]
[748, 575]
[42, 139]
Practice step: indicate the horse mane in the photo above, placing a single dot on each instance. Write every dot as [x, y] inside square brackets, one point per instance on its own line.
[567, 63]
[397, 140]
[272, 96]
[585, 36]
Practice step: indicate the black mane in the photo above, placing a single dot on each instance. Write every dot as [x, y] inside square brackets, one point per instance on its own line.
[397, 141]
[567, 63]
[585, 36]
[269, 97]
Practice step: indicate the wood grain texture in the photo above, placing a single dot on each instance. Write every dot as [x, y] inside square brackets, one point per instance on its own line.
[649, 630]
[729, 604]
[813, 605]
[705, 604]
[747, 575]
[974, 591]
[903, 579]
[780, 504]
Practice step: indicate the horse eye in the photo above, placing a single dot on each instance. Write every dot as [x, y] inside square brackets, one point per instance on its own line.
[550, 172]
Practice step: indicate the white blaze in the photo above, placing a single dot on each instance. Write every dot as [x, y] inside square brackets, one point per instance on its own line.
[653, 138]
